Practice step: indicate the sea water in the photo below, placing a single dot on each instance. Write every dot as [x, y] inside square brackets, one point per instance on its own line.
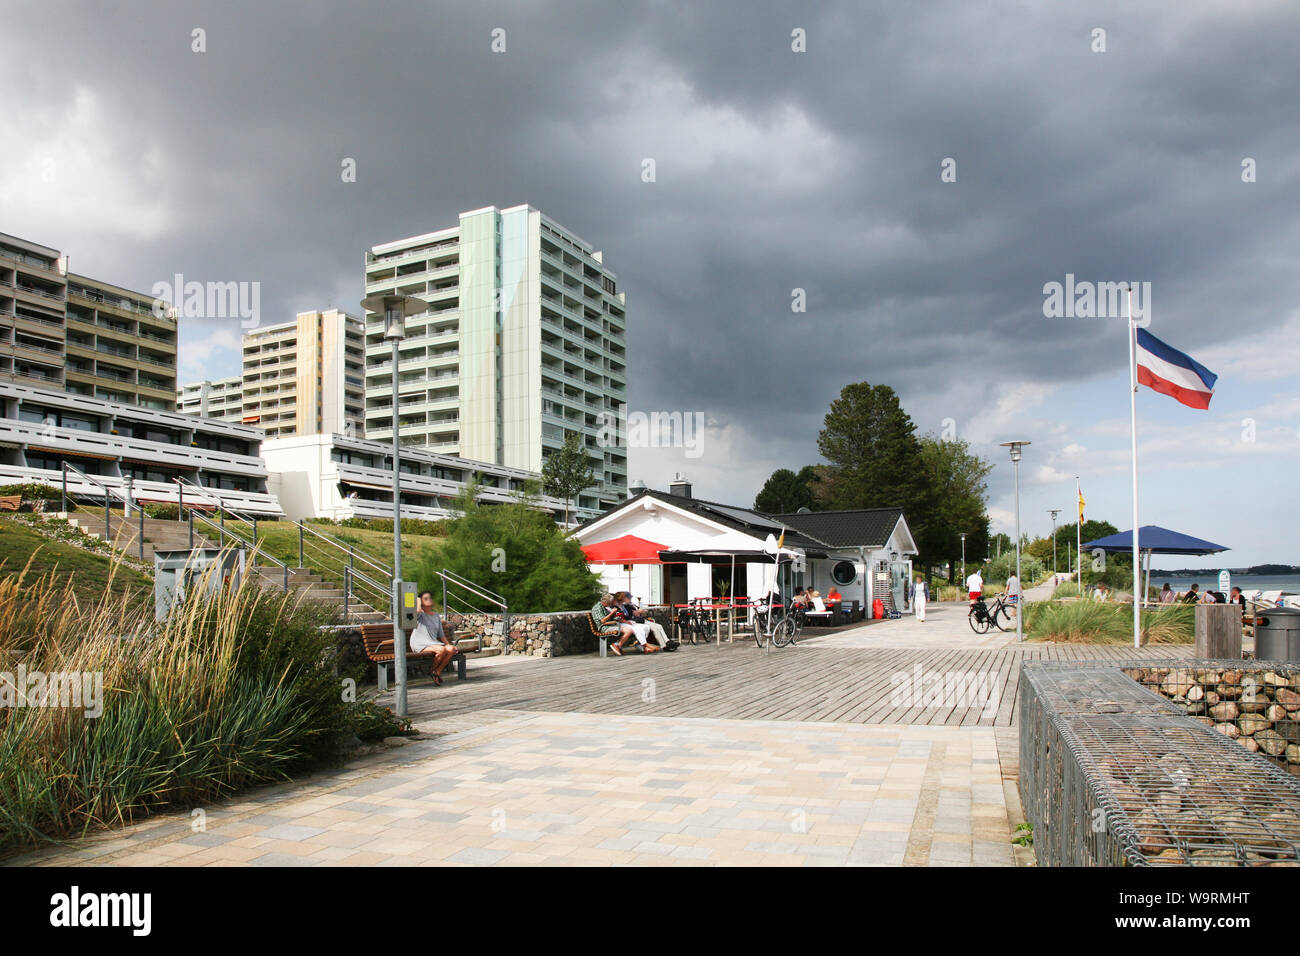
[1247, 582]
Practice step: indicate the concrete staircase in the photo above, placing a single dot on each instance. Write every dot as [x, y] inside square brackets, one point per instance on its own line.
[166, 535]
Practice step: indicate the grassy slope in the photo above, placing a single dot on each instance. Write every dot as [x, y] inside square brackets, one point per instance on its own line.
[18, 542]
[280, 540]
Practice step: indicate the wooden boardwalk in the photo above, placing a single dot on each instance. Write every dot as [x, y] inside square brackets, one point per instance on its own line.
[740, 681]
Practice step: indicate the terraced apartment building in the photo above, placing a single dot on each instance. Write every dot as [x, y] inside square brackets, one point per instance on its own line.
[523, 340]
[82, 335]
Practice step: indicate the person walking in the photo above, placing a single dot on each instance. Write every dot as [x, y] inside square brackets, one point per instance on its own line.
[975, 586]
[920, 596]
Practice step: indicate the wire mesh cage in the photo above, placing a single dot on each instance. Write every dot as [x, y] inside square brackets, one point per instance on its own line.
[1113, 773]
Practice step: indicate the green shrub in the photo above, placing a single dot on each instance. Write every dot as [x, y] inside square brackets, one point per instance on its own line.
[420, 526]
[163, 512]
[31, 491]
[235, 689]
[1104, 622]
[1065, 589]
[517, 551]
[999, 569]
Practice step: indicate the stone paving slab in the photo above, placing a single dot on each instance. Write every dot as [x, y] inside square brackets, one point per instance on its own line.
[570, 789]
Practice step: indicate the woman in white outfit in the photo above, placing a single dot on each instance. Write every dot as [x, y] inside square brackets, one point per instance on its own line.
[920, 594]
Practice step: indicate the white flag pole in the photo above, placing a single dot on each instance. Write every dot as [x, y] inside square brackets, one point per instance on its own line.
[1078, 542]
[1132, 398]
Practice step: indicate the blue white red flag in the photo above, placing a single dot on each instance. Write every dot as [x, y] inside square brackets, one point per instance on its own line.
[1172, 373]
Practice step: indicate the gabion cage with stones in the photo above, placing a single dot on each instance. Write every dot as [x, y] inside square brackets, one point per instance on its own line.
[1113, 774]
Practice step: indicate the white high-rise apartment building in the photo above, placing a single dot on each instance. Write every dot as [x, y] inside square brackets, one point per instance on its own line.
[222, 399]
[524, 340]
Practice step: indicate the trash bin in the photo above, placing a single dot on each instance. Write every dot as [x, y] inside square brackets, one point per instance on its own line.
[1277, 634]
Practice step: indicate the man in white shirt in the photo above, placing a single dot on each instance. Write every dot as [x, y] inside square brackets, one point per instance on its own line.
[974, 585]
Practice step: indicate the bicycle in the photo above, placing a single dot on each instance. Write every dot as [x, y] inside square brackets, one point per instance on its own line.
[782, 629]
[694, 623]
[981, 616]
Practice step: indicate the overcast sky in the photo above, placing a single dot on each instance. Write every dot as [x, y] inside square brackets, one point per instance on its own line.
[775, 170]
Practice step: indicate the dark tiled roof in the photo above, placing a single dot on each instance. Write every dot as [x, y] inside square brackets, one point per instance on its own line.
[862, 528]
[744, 520]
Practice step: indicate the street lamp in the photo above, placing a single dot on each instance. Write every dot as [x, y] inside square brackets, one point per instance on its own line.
[1015, 447]
[1053, 512]
[963, 558]
[395, 309]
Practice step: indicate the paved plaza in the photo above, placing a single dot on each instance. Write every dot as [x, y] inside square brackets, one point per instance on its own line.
[715, 755]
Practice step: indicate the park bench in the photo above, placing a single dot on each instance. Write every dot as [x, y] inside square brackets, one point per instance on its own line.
[10, 502]
[603, 638]
[377, 639]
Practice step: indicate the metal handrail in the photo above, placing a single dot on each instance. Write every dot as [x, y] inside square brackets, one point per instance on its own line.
[470, 586]
[108, 500]
[254, 553]
[351, 574]
[352, 555]
[450, 577]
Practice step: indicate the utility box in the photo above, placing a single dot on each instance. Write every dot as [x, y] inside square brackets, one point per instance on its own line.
[407, 604]
[179, 575]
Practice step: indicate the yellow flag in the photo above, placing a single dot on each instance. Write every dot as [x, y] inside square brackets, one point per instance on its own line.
[780, 542]
[1081, 504]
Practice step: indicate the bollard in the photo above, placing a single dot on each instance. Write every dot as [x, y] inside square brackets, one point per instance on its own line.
[1218, 632]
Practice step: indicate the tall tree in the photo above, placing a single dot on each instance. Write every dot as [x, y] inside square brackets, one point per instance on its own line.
[786, 492]
[872, 444]
[958, 501]
[567, 473]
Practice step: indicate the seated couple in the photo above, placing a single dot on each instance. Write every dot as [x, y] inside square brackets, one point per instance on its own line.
[428, 638]
[617, 617]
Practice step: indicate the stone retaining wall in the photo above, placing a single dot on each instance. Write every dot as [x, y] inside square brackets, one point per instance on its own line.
[556, 634]
[1114, 774]
[1258, 708]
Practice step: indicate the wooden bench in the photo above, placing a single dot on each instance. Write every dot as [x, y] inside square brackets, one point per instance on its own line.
[603, 638]
[10, 502]
[377, 639]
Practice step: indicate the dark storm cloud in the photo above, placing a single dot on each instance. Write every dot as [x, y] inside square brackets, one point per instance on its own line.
[775, 170]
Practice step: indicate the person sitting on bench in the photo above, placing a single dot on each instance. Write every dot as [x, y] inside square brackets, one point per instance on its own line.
[610, 623]
[428, 637]
[642, 625]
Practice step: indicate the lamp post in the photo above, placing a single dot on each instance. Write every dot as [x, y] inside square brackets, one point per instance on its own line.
[1053, 512]
[1015, 447]
[395, 309]
[963, 558]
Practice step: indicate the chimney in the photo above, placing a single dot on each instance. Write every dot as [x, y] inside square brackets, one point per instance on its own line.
[680, 486]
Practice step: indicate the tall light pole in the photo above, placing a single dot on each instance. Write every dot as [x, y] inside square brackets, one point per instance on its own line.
[963, 558]
[1015, 447]
[1053, 512]
[395, 309]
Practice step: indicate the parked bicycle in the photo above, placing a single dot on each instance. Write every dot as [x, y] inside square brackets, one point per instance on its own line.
[776, 623]
[1000, 614]
[694, 623]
